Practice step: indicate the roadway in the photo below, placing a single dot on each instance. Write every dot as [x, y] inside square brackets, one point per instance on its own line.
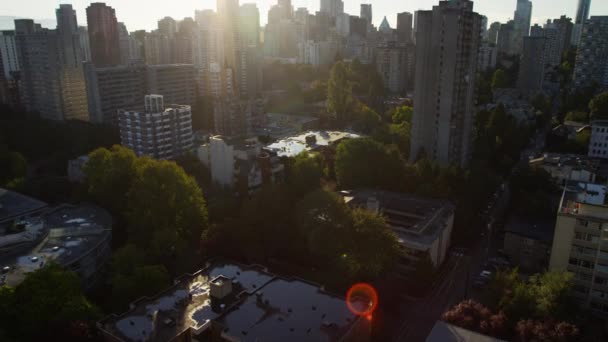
[419, 316]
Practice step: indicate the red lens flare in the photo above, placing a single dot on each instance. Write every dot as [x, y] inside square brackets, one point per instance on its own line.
[362, 300]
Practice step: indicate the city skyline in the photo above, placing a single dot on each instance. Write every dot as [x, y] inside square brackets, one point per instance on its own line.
[130, 12]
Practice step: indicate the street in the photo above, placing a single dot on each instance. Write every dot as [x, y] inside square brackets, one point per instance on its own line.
[419, 316]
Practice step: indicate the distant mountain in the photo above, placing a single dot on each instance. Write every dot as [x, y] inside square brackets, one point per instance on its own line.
[7, 22]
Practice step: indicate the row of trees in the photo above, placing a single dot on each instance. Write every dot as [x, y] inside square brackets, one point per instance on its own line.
[540, 308]
[160, 216]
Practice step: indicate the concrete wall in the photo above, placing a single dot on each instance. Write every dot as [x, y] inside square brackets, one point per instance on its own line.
[562, 243]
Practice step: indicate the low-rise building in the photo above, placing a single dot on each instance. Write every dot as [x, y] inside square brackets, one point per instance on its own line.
[580, 243]
[161, 132]
[528, 245]
[598, 145]
[565, 167]
[240, 163]
[14, 206]
[423, 226]
[76, 237]
[233, 302]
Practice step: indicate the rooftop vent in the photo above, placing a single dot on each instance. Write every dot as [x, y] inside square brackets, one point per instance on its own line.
[220, 287]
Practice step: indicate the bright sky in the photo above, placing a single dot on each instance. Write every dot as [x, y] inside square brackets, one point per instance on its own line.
[144, 14]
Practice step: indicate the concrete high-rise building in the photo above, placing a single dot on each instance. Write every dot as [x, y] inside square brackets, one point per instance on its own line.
[124, 41]
[484, 28]
[71, 77]
[157, 48]
[522, 20]
[582, 14]
[404, 27]
[393, 63]
[366, 13]
[447, 46]
[332, 7]
[579, 243]
[112, 88]
[175, 82]
[558, 33]
[506, 37]
[492, 35]
[25, 26]
[167, 26]
[582, 11]
[488, 54]
[9, 55]
[532, 65]
[103, 35]
[228, 19]
[85, 47]
[52, 75]
[249, 24]
[9, 69]
[592, 55]
[536, 31]
[162, 132]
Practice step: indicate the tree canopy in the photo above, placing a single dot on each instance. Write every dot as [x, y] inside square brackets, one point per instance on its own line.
[49, 302]
[499, 79]
[365, 162]
[157, 208]
[339, 92]
[305, 172]
[599, 107]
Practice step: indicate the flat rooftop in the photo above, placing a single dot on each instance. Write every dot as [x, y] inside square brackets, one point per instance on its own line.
[261, 307]
[573, 160]
[540, 231]
[586, 193]
[417, 221]
[70, 232]
[292, 146]
[578, 194]
[14, 205]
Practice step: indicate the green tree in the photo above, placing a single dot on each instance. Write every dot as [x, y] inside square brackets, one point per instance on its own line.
[402, 114]
[366, 120]
[166, 213]
[598, 106]
[132, 278]
[109, 176]
[499, 79]
[577, 116]
[193, 167]
[51, 300]
[365, 162]
[323, 218]
[339, 92]
[305, 172]
[371, 234]
[13, 166]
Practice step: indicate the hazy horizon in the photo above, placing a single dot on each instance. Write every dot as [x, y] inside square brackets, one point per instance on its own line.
[130, 12]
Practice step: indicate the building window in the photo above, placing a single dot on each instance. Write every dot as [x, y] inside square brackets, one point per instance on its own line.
[581, 222]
